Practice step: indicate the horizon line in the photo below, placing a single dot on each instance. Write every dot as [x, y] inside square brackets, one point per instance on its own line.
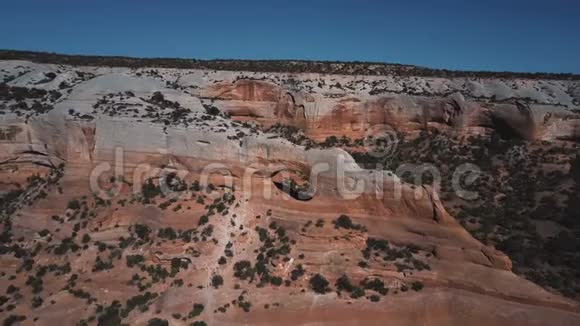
[33, 55]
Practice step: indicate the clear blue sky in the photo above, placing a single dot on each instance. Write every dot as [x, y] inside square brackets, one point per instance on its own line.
[516, 35]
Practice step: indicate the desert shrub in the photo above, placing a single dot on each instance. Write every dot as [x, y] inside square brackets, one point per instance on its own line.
[101, 265]
[167, 233]
[86, 238]
[74, 204]
[330, 141]
[357, 293]
[217, 281]
[142, 231]
[157, 322]
[211, 110]
[243, 270]
[297, 272]
[37, 302]
[140, 300]
[13, 320]
[417, 286]
[195, 186]
[157, 97]
[345, 222]
[203, 220]
[199, 323]
[66, 245]
[343, 284]
[150, 191]
[277, 281]
[377, 244]
[196, 310]
[35, 283]
[177, 264]
[375, 285]
[109, 315]
[133, 260]
[319, 284]
[243, 304]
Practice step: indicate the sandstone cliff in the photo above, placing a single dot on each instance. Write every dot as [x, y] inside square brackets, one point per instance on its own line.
[68, 252]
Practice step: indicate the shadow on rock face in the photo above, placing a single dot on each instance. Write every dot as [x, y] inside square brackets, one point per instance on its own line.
[294, 184]
[513, 122]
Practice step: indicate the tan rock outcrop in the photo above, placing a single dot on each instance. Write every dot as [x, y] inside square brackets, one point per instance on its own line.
[466, 283]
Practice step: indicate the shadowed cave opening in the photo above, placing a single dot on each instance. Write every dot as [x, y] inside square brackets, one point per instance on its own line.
[295, 191]
[294, 184]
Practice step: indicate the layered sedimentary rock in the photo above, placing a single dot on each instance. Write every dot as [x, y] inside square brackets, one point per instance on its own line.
[527, 109]
[115, 136]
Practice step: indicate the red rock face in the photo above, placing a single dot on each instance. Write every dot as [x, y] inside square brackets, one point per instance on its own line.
[158, 255]
[287, 111]
[352, 116]
[262, 101]
[245, 90]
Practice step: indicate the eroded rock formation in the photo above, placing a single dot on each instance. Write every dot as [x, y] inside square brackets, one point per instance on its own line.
[95, 226]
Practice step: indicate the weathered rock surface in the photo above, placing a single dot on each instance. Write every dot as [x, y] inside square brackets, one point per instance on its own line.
[108, 120]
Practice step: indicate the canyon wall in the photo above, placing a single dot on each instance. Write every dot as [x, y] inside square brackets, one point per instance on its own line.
[135, 125]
